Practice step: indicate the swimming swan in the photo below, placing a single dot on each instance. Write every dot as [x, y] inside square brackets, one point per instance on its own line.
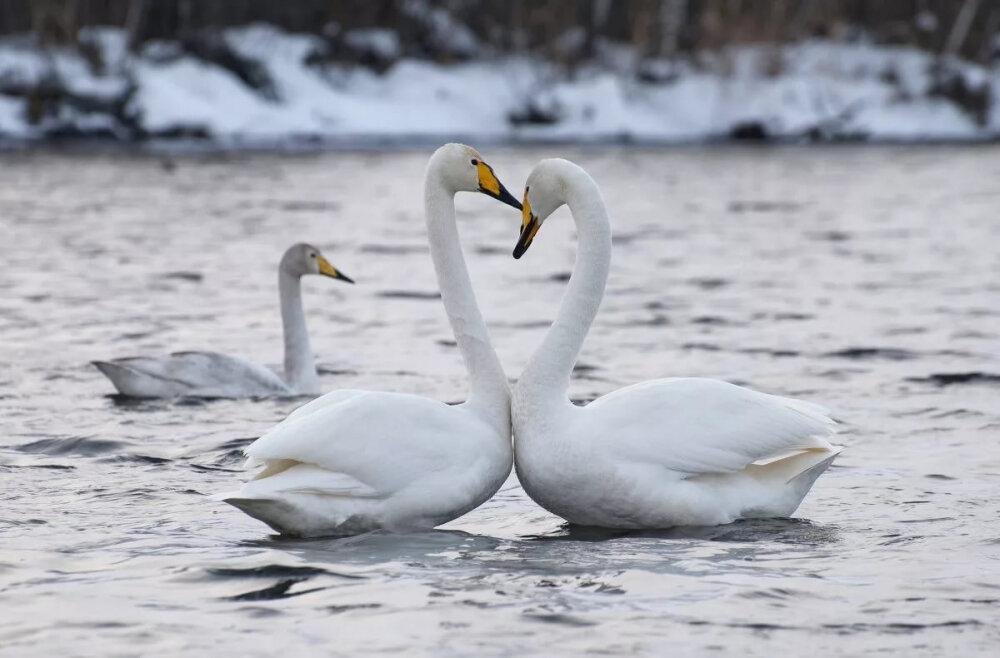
[215, 375]
[661, 453]
[353, 461]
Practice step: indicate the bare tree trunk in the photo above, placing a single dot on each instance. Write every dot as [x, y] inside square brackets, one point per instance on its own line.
[992, 28]
[595, 15]
[960, 30]
[54, 21]
[135, 19]
[673, 15]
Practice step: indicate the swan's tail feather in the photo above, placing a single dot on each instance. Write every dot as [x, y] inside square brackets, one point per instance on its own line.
[280, 516]
[272, 467]
[799, 469]
[294, 519]
[786, 481]
[306, 500]
[113, 371]
[127, 381]
[131, 380]
[804, 480]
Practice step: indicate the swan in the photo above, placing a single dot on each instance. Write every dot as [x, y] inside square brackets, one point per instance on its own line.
[661, 453]
[215, 375]
[353, 461]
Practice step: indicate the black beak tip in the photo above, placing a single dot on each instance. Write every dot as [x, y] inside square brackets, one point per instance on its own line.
[511, 201]
[503, 196]
[344, 277]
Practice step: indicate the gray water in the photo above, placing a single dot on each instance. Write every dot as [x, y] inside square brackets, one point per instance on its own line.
[866, 279]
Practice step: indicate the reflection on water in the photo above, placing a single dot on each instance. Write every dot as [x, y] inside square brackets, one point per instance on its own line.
[862, 278]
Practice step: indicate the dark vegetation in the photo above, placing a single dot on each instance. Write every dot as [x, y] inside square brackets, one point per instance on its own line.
[568, 33]
[563, 30]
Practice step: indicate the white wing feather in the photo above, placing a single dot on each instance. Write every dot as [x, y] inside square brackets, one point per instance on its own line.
[699, 426]
[383, 440]
[191, 373]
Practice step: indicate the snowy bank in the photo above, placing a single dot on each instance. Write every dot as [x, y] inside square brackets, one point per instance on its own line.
[258, 85]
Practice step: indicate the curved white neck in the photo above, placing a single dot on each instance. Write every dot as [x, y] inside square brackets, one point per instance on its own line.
[300, 368]
[548, 371]
[489, 393]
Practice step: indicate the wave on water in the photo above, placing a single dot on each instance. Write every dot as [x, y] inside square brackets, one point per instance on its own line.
[275, 571]
[409, 294]
[784, 531]
[953, 378]
[863, 353]
[274, 592]
[77, 445]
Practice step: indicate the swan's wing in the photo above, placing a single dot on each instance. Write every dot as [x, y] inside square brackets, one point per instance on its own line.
[221, 369]
[384, 441]
[289, 476]
[699, 426]
[323, 401]
[191, 373]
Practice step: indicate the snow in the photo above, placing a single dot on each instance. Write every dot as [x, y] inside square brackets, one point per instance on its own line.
[12, 122]
[190, 95]
[444, 33]
[832, 89]
[20, 63]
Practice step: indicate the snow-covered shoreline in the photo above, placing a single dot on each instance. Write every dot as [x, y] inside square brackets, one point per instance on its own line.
[812, 91]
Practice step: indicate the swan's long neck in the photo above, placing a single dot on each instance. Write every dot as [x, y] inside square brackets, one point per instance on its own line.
[300, 369]
[548, 371]
[489, 393]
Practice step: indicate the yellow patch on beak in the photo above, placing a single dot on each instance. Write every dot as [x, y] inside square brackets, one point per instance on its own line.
[529, 228]
[526, 213]
[490, 185]
[488, 181]
[326, 269]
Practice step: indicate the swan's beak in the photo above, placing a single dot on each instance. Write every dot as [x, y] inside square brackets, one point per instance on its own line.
[490, 185]
[326, 269]
[529, 227]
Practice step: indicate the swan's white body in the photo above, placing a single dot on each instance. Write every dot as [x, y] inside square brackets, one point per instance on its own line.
[193, 374]
[216, 375]
[660, 453]
[352, 461]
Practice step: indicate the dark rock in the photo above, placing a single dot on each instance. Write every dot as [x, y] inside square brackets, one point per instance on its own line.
[949, 83]
[749, 132]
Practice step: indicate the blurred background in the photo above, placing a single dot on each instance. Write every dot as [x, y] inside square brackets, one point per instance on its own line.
[252, 71]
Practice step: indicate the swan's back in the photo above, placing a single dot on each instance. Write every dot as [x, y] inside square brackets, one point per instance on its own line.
[683, 451]
[698, 426]
[196, 374]
[357, 460]
[383, 439]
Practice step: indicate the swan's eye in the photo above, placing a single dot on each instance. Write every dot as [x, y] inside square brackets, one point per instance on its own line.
[475, 163]
[312, 255]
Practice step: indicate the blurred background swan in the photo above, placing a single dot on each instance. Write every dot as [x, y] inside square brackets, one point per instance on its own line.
[216, 375]
[662, 453]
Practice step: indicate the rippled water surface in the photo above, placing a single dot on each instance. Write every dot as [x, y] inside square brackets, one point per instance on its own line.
[867, 279]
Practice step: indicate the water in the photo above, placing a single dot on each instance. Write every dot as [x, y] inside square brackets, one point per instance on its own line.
[862, 278]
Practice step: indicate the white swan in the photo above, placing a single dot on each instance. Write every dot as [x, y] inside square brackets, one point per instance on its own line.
[211, 374]
[661, 453]
[353, 461]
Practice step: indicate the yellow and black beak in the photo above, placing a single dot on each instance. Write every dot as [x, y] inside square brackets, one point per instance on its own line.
[490, 185]
[529, 227]
[326, 269]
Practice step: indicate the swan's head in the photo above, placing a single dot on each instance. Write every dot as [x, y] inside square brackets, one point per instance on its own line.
[544, 193]
[462, 169]
[301, 259]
